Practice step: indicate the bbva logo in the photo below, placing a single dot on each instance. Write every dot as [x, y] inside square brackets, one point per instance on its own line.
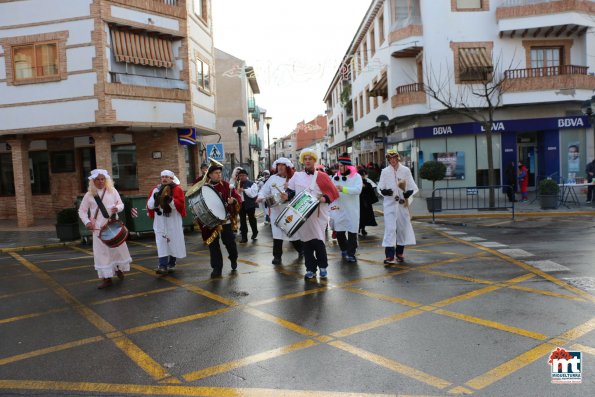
[572, 122]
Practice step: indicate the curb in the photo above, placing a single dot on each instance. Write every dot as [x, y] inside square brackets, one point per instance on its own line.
[498, 214]
[39, 247]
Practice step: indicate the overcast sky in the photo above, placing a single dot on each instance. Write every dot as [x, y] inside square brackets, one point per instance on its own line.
[295, 47]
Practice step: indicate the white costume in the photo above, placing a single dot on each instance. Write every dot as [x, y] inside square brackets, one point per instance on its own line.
[315, 226]
[169, 230]
[107, 260]
[397, 219]
[345, 210]
[268, 190]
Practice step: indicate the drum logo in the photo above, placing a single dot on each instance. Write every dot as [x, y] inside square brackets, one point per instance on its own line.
[289, 219]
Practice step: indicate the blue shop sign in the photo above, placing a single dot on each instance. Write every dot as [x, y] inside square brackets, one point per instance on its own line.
[503, 126]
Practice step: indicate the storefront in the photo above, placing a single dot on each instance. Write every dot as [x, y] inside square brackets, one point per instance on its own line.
[553, 147]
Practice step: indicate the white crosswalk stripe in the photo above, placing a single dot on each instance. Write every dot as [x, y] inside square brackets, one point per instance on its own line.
[472, 238]
[548, 266]
[491, 244]
[516, 253]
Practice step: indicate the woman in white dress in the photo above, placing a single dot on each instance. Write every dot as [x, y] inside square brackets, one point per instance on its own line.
[108, 261]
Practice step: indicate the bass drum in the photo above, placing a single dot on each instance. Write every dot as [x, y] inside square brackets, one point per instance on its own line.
[113, 233]
[296, 213]
[208, 207]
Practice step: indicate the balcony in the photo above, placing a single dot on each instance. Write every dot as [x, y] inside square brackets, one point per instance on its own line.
[167, 7]
[545, 18]
[251, 105]
[409, 94]
[404, 30]
[548, 78]
[255, 142]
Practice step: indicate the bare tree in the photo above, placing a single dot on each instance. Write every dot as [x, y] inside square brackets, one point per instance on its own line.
[476, 100]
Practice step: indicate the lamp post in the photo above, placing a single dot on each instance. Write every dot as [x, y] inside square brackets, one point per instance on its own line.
[275, 145]
[382, 123]
[239, 126]
[267, 121]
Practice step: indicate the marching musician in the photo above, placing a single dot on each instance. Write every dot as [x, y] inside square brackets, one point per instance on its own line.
[276, 184]
[345, 210]
[101, 200]
[248, 190]
[312, 232]
[166, 205]
[227, 230]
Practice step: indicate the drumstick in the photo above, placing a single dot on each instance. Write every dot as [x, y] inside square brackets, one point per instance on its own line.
[276, 187]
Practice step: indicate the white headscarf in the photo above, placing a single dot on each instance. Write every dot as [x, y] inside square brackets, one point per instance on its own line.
[171, 175]
[98, 171]
[283, 160]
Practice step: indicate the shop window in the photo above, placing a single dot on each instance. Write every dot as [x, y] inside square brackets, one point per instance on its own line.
[124, 169]
[6, 175]
[39, 172]
[203, 78]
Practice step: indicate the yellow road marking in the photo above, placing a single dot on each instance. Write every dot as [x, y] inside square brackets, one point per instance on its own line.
[132, 296]
[94, 280]
[579, 330]
[217, 369]
[62, 259]
[84, 251]
[466, 296]
[386, 298]
[457, 277]
[247, 262]
[392, 365]
[548, 293]
[64, 269]
[375, 324]
[31, 315]
[174, 321]
[142, 359]
[279, 321]
[583, 348]
[492, 324]
[289, 296]
[52, 349]
[460, 390]
[31, 291]
[497, 223]
[510, 366]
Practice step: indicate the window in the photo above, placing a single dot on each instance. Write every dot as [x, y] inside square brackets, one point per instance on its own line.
[6, 175]
[475, 64]
[355, 107]
[142, 49]
[124, 167]
[361, 105]
[200, 9]
[403, 11]
[367, 99]
[39, 170]
[203, 75]
[542, 57]
[365, 51]
[473, 5]
[372, 43]
[381, 29]
[35, 61]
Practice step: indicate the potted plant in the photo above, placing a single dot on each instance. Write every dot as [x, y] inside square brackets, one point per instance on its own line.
[433, 171]
[67, 228]
[548, 191]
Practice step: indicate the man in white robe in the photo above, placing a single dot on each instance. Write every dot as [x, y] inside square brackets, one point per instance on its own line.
[166, 205]
[345, 210]
[396, 184]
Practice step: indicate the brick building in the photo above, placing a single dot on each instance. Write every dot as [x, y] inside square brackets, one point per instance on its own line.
[304, 135]
[99, 84]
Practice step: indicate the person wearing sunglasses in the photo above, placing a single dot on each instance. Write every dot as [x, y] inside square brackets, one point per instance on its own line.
[396, 184]
[345, 210]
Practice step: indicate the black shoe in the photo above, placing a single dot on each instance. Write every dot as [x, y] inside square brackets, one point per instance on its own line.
[161, 270]
[276, 261]
[234, 265]
[254, 236]
[244, 240]
[364, 233]
[215, 274]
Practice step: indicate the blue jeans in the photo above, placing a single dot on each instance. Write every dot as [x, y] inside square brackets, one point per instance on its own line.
[167, 261]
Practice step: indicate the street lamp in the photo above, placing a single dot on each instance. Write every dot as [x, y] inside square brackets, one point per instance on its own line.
[239, 126]
[275, 145]
[382, 123]
[267, 121]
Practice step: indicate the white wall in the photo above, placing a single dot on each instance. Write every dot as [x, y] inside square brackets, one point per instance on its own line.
[143, 17]
[148, 111]
[74, 86]
[32, 11]
[50, 114]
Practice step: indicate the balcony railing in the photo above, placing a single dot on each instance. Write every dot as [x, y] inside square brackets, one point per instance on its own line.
[168, 2]
[406, 89]
[255, 142]
[251, 105]
[147, 81]
[517, 3]
[548, 71]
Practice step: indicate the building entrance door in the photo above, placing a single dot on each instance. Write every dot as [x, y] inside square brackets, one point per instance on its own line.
[87, 156]
[527, 154]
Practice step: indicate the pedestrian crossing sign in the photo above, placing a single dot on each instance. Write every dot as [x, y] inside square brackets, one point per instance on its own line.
[215, 151]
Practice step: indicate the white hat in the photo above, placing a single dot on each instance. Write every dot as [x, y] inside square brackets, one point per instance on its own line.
[171, 175]
[308, 152]
[283, 160]
[98, 171]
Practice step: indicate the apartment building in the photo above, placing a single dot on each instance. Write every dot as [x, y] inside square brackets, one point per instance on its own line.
[541, 52]
[123, 85]
[311, 134]
[237, 87]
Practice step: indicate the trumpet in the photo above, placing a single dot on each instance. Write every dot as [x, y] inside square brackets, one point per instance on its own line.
[205, 179]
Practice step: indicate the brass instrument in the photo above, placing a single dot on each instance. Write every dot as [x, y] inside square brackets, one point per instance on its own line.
[205, 179]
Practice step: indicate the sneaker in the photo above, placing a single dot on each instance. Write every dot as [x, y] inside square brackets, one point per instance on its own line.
[161, 270]
[389, 261]
[351, 259]
[344, 254]
[323, 272]
[400, 258]
[309, 275]
[171, 268]
[266, 223]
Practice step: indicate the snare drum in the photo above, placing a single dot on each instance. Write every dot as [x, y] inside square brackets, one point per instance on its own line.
[113, 233]
[208, 207]
[296, 213]
[273, 200]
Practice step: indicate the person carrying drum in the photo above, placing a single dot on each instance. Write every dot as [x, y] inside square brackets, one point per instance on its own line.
[226, 231]
[345, 210]
[271, 193]
[248, 190]
[166, 205]
[313, 232]
[396, 184]
[101, 200]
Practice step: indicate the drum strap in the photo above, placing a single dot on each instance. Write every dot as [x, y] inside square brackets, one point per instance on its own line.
[100, 206]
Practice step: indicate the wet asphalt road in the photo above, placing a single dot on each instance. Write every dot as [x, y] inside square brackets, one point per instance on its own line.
[476, 309]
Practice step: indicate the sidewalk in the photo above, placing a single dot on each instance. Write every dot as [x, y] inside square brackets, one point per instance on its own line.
[43, 234]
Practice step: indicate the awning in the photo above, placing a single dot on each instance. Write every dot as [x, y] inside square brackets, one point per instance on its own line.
[475, 58]
[380, 88]
[142, 49]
